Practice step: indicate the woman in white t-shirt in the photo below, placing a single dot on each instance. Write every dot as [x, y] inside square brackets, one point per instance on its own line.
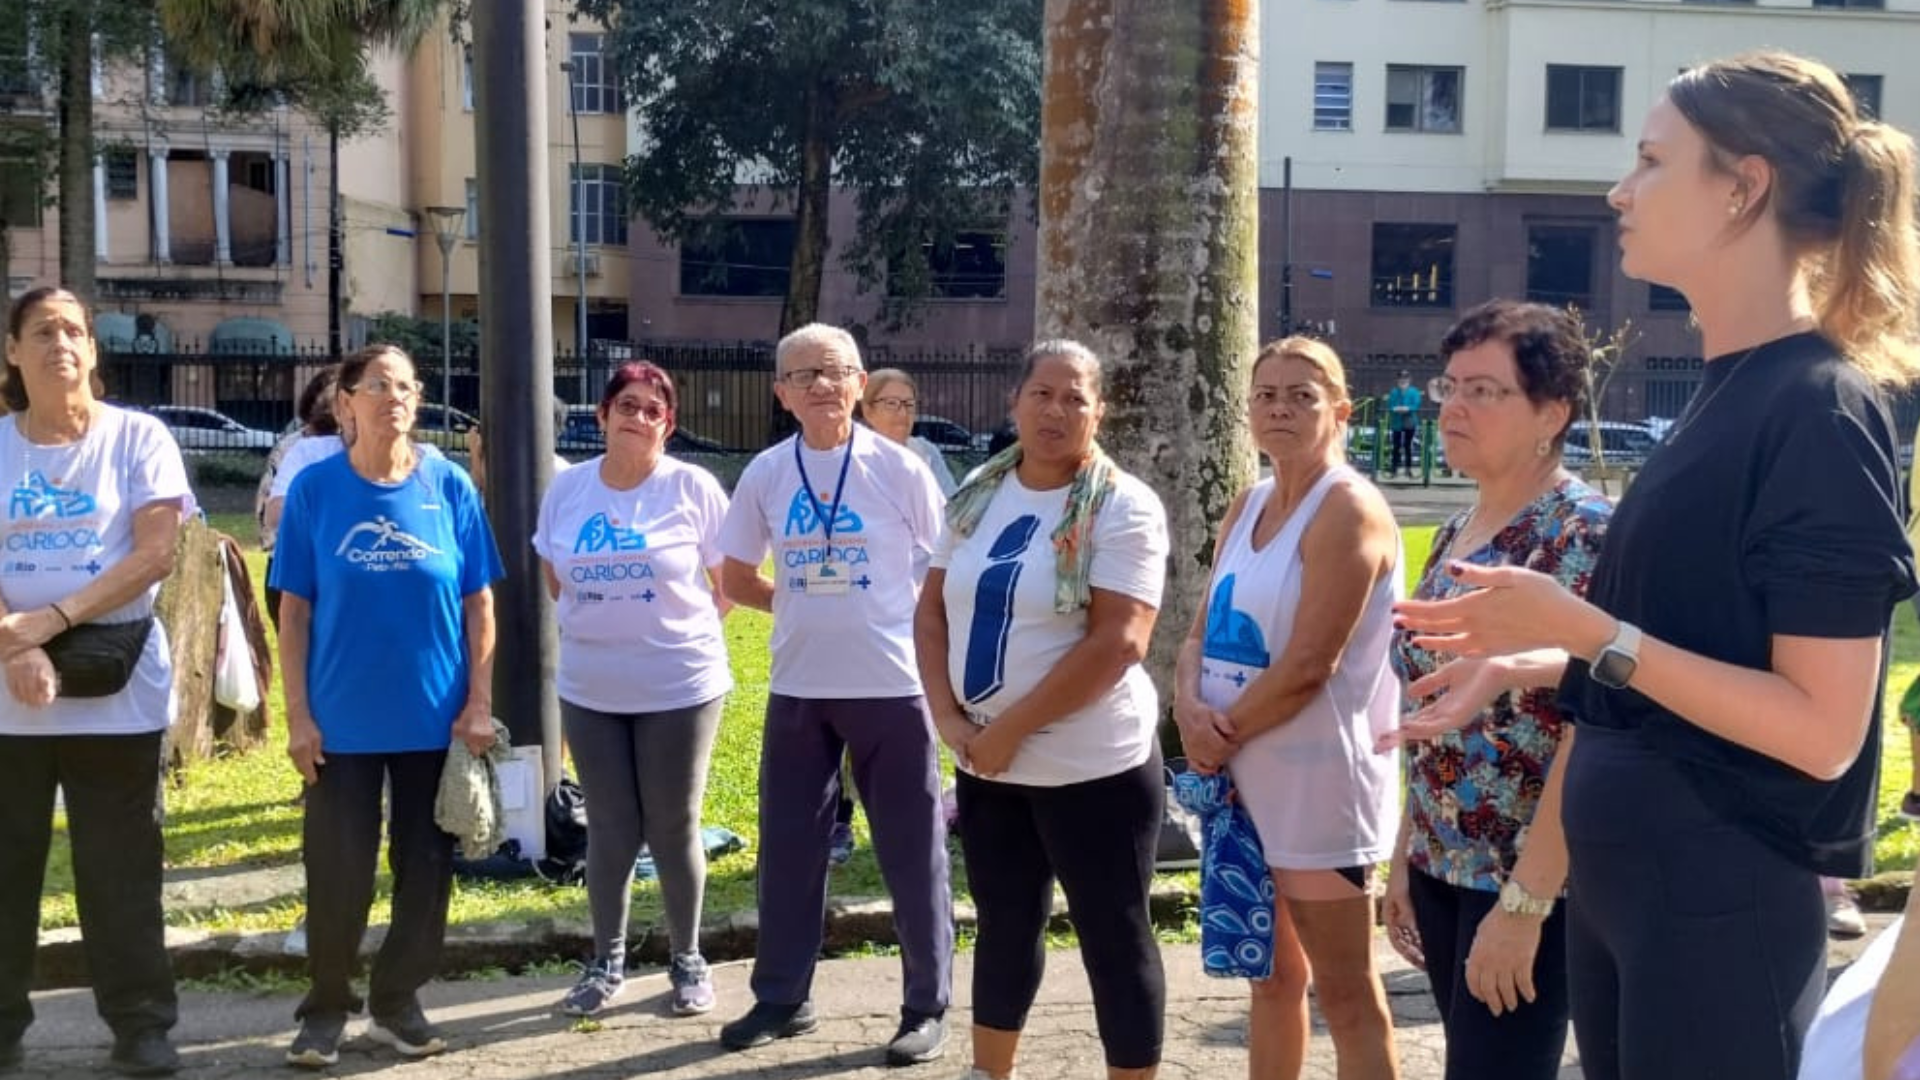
[629, 543]
[315, 410]
[1284, 683]
[93, 514]
[1030, 631]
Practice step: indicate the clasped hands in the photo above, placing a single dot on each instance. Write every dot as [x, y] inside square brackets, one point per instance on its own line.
[31, 678]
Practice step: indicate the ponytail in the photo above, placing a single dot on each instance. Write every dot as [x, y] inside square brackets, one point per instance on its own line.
[1868, 289]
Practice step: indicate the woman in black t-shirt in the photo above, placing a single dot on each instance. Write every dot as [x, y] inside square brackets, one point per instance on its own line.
[1725, 670]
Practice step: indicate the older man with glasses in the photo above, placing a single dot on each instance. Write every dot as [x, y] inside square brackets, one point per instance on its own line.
[847, 515]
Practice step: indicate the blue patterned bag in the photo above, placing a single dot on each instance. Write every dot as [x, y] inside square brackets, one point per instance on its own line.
[1236, 891]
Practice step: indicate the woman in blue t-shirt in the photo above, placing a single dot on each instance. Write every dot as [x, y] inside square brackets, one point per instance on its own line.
[1728, 660]
[385, 564]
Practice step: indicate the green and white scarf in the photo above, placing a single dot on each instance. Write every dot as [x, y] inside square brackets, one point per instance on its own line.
[1072, 538]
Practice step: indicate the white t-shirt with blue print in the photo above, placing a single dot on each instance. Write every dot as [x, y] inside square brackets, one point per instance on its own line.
[1003, 635]
[639, 630]
[386, 568]
[858, 643]
[69, 518]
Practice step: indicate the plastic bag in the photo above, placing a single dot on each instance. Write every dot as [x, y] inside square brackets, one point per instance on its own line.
[234, 684]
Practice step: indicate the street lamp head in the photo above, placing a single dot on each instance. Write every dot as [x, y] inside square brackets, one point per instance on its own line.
[446, 220]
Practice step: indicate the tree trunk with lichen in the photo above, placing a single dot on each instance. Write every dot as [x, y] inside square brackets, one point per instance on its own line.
[1148, 252]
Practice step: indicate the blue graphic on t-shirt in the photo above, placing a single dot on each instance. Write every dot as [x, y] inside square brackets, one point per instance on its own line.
[803, 517]
[35, 497]
[986, 667]
[1232, 635]
[601, 534]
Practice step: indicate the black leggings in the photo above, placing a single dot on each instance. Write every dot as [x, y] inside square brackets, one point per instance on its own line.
[1098, 837]
[1695, 949]
[1525, 1044]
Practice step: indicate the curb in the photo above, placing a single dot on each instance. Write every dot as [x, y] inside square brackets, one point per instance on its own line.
[852, 923]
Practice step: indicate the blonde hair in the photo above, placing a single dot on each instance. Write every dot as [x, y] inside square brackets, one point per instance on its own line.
[880, 378]
[1313, 352]
[1842, 192]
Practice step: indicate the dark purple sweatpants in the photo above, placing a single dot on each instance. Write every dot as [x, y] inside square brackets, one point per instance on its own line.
[896, 770]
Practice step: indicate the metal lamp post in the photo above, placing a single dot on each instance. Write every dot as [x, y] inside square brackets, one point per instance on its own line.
[579, 216]
[446, 230]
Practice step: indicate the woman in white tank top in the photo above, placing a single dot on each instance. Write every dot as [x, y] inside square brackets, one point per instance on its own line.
[1283, 682]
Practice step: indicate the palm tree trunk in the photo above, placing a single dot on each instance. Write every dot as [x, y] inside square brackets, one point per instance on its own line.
[77, 254]
[1149, 198]
[810, 215]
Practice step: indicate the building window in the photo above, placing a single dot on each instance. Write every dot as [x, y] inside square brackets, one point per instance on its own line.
[1583, 98]
[1866, 94]
[1424, 98]
[1875, 5]
[472, 222]
[972, 267]
[738, 257]
[123, 173]
[1332, 97]
[1413, 265]
[22, 185]
[1662, 298]
[1560, 264]
[185, 85]
[596, 86]
[466, 79]
[599, 206]
[17, 75]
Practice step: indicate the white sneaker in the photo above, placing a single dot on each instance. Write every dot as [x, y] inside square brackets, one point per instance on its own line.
[1843, 917]
[981, 1074]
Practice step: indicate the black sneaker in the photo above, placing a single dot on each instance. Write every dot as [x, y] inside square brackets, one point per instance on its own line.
[318, 1044]
[921, 1038]
[407, 1031]
[1910, 806]
[766, 1022]
[144, 1053]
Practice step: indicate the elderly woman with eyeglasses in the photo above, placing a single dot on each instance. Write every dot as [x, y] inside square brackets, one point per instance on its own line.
[629, 543]
[1478, 869]
[889, 405]
[385, 565]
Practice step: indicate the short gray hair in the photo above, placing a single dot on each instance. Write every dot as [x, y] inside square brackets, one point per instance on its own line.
[816, 335]
[1068, 349]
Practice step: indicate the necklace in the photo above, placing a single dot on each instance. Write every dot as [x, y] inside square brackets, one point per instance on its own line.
[1697, 404]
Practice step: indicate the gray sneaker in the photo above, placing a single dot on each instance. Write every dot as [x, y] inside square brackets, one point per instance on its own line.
[597, 988]
[318, 1044]
[409, 1032]
[921, 1038]
[692, 985]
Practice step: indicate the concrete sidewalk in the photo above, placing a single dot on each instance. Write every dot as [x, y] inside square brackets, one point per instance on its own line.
[504, 1029]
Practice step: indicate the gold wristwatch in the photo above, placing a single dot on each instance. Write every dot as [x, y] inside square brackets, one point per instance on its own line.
[1516, 900]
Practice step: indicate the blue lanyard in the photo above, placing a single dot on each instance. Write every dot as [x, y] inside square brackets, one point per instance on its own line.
[840, 486]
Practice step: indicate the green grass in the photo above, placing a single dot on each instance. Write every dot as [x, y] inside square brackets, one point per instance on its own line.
[237, 810]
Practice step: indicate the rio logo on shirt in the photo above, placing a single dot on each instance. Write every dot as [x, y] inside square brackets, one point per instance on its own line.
[37, 497]
[803, 516]
[600, 533]
[38, 504]
[381, 544]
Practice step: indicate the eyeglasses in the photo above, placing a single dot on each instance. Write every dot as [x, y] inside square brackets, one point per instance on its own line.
[399, 389]
[1476, 392]
[895, 404]
[802, 378]
[651, 411]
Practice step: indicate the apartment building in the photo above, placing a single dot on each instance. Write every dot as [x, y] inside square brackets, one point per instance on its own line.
[1447, 151]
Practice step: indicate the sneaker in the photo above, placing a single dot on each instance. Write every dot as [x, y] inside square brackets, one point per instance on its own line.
[977, 1073]
[318, 1044]
[766, 1022]
[295, 943]
[1910, 806]
[1843, 917]
[840, 844]
[407, 1031]
[921, 1039]
[599, 984]
[144, 1053]
[692, 985]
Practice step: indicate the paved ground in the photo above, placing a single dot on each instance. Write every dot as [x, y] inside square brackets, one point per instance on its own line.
[504, 1029]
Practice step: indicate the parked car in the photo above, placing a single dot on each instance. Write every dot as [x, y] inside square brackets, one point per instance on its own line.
[198, 429]
[1624, 444]
[581, 436]
[944, 433]
[430, 425]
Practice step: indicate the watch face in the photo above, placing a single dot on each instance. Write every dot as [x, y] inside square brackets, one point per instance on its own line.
[1614, 668]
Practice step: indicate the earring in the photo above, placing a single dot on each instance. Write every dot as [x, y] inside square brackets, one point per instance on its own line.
[1542, 448]
[1736, 209]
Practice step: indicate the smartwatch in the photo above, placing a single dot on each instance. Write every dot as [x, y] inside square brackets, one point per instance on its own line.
[1615, 665]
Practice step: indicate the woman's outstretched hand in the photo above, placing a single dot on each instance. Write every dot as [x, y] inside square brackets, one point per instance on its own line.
[1509, 609]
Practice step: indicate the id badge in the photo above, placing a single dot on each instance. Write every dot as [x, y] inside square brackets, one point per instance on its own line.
[826, 579]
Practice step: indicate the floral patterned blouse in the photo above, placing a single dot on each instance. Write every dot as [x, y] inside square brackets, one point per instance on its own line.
[1473, 791]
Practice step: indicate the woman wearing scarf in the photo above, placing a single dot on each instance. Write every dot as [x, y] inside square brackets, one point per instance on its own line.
[1283, 683]
[1030, 632]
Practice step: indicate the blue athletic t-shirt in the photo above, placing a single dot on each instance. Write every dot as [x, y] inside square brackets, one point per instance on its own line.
[385, 567]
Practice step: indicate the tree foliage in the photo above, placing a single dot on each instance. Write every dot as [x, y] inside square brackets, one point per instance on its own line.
[928, 110]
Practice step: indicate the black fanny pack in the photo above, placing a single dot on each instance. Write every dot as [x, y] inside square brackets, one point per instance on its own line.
[97, 659]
